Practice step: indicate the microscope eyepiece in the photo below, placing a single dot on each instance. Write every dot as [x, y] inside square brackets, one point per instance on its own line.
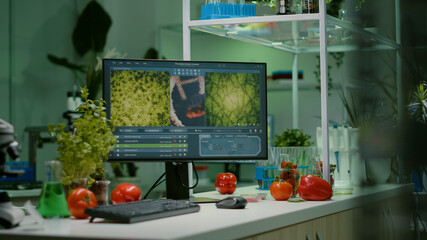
[12, 150]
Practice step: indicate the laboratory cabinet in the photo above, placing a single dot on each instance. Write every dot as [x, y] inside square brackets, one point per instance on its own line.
[335, 226]
[387, 219]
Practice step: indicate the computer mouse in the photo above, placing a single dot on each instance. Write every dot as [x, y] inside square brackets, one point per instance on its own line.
[232, 202]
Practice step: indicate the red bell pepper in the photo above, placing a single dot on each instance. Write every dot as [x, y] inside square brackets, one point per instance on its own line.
[225, 183]
[313, 188]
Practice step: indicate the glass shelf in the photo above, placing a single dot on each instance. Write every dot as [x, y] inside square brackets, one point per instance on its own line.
[295, 33]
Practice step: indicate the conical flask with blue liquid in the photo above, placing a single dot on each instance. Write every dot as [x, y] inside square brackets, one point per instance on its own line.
[52, 201]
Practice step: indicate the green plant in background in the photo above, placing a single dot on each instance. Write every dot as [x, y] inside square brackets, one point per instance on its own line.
[84, 151]
[418, 107]
[338, 57]
[269, 3]
[333, 6]
[124, 169]
[152, 53]
[89, 38]
[292, 138]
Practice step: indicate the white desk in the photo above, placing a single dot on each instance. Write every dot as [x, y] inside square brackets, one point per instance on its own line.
[210, 222]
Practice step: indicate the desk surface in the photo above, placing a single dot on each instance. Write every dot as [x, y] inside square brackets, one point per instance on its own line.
[210, 222]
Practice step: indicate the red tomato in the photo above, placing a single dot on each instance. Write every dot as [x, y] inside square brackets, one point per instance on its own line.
[294, 173]
[281, 191]
[285, 164]
[125, 192]
[294, 166]
[319, 168]
[284, 175]
[291, 181]
[225, 183]
[79, 200]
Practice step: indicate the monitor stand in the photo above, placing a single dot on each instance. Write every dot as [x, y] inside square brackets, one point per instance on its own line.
[176, 176]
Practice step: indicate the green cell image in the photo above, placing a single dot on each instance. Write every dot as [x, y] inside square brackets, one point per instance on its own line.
[232, 99]
[140, 98]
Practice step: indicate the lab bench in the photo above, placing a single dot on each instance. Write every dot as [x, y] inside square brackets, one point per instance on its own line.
[379, 210]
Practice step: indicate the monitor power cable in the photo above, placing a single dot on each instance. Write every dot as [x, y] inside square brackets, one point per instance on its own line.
[156, 184]
[179, 177]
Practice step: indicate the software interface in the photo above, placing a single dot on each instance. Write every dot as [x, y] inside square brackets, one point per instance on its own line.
[186, 110]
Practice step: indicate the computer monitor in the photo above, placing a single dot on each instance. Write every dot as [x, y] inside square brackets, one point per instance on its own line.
[183, 111]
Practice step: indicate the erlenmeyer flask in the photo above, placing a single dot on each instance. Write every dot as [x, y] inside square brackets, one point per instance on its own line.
[52, 200]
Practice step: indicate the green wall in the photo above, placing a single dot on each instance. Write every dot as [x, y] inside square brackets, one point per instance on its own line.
[37, 96]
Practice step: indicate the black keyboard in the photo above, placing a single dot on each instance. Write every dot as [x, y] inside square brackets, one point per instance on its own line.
[142, 210]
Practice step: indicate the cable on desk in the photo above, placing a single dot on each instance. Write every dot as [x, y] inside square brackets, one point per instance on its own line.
[156, 184]
[180, 180]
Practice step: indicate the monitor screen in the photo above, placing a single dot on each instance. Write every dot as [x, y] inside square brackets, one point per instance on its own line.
[186, 110]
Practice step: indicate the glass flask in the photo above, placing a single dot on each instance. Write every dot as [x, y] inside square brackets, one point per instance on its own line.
[52, 201]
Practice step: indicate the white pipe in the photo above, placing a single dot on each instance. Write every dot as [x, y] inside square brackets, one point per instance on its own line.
[324, 88]
[186, 47]
[186, 35]
[295, 103]
[11, 63]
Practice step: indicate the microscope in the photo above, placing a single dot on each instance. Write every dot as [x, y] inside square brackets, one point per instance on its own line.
[8, 146]
[10, 216]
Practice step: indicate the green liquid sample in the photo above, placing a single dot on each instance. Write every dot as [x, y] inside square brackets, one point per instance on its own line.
[52, 201]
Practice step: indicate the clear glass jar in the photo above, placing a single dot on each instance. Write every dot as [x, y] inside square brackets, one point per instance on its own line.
[288, 171]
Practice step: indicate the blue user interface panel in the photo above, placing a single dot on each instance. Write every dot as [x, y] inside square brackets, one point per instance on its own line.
[186, 110]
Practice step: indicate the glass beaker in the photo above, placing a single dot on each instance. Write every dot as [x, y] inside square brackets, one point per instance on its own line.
[52, 201]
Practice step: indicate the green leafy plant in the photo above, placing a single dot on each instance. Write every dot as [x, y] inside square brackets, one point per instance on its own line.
[83, 151]
[89, 38]
[124, 169]
[269, 3]
[292, 138]
[338, 57]
[418, 107]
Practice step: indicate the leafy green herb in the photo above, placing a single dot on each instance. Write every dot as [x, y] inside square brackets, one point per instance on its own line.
[124, 169]
[418, 106]
[83, 151]
[338, 57]
[292, 138]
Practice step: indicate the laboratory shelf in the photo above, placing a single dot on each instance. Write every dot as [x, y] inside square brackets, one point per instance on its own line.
[297, 33]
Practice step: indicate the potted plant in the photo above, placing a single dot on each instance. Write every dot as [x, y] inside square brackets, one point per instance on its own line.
[89, 38]
[83, 151]
[293, 145]
[292, 138]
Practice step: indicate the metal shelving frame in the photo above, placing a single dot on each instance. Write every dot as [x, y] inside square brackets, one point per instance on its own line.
[324, 21]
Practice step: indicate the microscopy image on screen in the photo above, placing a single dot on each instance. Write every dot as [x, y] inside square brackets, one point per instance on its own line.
[187, 101]
[232, 99]
[140, 98]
